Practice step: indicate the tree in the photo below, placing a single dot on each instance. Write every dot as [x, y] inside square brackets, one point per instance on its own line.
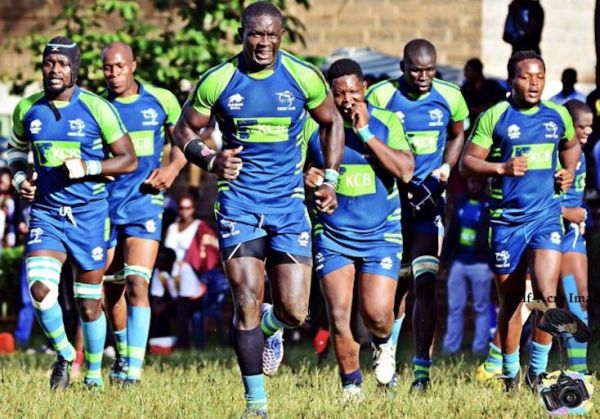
[198, 35]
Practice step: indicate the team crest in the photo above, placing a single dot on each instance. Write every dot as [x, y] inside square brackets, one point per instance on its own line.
[304, 239]
[150, 226]
[150, 117]
[502, 259]
[387, 263]
[35, 127]
[436, 117]
[555, 237]
[286, 99]
[35, 235]
[235, 102]
[514, 132]
[97, 254]
[77, 127]
[551, 129]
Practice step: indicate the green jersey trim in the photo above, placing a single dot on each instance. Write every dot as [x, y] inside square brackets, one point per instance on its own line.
[484, 127]
[451, 93]
[396, 136]
[18, 116]
[211, 86]
[167, 100]
[108, 119]
[308, 77]
[381, 93]
[569, 133]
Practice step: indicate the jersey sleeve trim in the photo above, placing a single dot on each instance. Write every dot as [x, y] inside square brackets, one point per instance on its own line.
[569, 133]
[106, 115]
[396, 136]
[167, 101]
[482, 134]
[18, 139]
[309, 78]
[381, 93]
[456, 102]
[211, 86]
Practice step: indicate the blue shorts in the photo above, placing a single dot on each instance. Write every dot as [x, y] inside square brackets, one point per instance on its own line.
[573, 240]
[146, 228]
[82, 234]
[287, 233]
[385, 263]
[508, 242]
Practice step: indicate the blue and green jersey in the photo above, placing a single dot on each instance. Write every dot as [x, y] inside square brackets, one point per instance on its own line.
[368, 201]
[574, 196]
[146, 115]
[87, 123]
[508, 132]
[264, 112]
[425, 118]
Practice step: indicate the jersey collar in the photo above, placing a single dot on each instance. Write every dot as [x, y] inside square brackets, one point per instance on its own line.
[263, 74]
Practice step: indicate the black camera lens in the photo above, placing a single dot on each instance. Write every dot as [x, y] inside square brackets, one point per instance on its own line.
[570, 397]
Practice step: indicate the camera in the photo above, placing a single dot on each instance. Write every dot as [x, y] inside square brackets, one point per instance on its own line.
[566, 395]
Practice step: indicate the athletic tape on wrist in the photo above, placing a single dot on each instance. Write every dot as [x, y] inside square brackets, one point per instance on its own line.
[365, 133]
[199, 154]
[93, 167]
[18, 178]
[332, 177]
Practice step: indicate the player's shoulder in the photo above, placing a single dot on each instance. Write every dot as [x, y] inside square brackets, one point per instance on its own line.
[163, 96]
[382, 114]
[91, 98]
[220, 72]
[560, 110]
[25, 104]
[301, 70]
[390, 85]
[448, 90]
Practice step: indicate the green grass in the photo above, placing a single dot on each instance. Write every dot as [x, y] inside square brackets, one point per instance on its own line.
[207, 385]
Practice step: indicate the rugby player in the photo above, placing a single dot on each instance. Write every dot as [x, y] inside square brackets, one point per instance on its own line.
[433, 113]
[261, 98]
[362, 238]
[519, 142]
[136, 205]
[68, 129]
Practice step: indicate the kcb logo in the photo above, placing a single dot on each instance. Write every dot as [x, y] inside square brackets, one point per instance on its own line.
[358, 179]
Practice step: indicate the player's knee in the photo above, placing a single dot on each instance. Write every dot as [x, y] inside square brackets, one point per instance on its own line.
[43, 276]
[90, 309]
[137, 289]
[294, 315]
[425, 269]
[89, 298]
[379, 322]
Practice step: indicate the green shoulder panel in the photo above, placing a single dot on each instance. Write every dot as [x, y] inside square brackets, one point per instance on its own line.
[308, 77]
[18, 139]
[105, 114]
[381, 93]
[566, 118]
[211, 86]
[451, 92]
[397, 137]
[484, 127]
[167, 100]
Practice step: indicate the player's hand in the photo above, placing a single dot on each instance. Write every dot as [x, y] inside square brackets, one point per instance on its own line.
[576, 215]
[326, 198]
[314, 177]
[74, 168]
[162, 178]
[516, 166]
[442, 173]
[360, 115]
[27, 187]
[563, 179]
[227, 164]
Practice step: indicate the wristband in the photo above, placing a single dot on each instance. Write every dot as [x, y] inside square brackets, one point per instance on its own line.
[199, 154]
[93, 167]
[445, 170]
[365, 133]
[18, 178]
[331, 176]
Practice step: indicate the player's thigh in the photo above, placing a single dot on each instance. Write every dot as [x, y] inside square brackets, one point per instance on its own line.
[246, 277]
[141, 251]
[576, 264]
[376, 295]
[337, 287]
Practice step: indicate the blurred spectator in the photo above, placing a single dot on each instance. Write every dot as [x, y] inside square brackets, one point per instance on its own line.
[466, 249]
[523, 25]
[479, 93]
[568, 92]
[8, 216]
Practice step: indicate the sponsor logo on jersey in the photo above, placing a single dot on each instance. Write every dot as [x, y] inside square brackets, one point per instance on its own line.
[286, 99]
[77, 126]
[423, 142]
[387, 263]
[436, 117]
[54, 153]
[150, 117]
[555, 237]
[539, 156]
[357, 180]
[150, 226]
[304, 239]
[97, 253]
[551, 129]
[502, 259]
[514, 132]
[35, 127]
[235, 102]
[35, 235]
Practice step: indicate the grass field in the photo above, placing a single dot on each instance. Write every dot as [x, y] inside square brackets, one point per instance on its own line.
[207, 385]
